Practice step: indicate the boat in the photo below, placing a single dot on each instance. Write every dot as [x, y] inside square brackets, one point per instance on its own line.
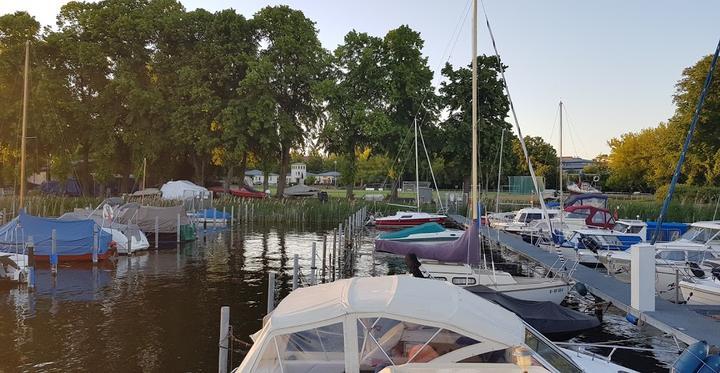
[525, 217]
[167, 219]
[428, 232]
[75, 240]
[183, 190]
[583, 245]
[124, 235]
[242, 192]
[403, 219]
[458, 262]
[13, 266]
[300, 191]
[211, 216]
[703, 291]
[403, 324]
[582, 188]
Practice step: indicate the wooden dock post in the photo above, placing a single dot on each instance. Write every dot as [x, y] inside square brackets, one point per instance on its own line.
[232, 214]
[177, 230]
[129, 247]
[223, 215]
[313, 268]
[30, 250]
[324, 256]
[271, 292]
[96, 243]
[157, 232]
[53, 252]
[224, 339]
[296, 272]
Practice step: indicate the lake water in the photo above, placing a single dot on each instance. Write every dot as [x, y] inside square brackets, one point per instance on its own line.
[159, 310]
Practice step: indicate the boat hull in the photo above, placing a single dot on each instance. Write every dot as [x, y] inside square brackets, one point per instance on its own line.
[404, 223]
[704, 293]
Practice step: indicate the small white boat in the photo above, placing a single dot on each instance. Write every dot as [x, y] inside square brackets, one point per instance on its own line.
[403, 324]
[525, 217]
[13, 267]
[403, 219]
[424, 233]
[526, 288]
[705, 291]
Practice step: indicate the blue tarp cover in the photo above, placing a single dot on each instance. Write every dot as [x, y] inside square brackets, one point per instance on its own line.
[74, 237]
[422, 228]
[212, 213]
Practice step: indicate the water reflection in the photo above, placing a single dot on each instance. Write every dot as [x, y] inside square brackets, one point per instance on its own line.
[159, 311]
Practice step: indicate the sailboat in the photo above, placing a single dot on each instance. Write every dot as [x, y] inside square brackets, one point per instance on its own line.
[458, 262]
[404, 219]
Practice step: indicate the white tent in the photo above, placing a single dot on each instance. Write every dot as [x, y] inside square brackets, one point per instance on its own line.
[183, 189]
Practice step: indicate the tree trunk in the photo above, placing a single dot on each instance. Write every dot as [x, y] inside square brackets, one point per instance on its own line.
[266, 181]
[228, 179]
[243, 168]
[350, 182]
[284, 164]
[85, 178]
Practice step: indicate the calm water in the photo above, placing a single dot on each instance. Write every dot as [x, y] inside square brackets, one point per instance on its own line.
[159, 311]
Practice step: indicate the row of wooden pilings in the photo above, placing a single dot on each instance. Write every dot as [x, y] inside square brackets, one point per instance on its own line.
[336, 264]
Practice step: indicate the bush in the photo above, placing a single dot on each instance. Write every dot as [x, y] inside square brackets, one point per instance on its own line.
[693, 194]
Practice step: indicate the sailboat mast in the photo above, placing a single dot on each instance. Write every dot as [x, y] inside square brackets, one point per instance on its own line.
[417, 168]
[560, 180]
[144, 172]
[497, 196]
[24, 124]
[474, 182]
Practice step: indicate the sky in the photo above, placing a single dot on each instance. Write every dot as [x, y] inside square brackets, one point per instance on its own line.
[613, 63]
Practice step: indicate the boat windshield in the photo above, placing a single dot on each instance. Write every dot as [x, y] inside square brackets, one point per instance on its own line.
[627, 228]
[607, 241]
[701, 235]
[549, 352]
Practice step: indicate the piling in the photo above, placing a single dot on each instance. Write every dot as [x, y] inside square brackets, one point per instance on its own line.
[232, 214]
[271, 292]
[313, 268]
[53, 252]
[224, 339]
[333, 258]
[177, 230]
[129, 247]
[95, 247]
[324, 266]
[30, 250]
[642, 278]
[296, 272]
[157, 232]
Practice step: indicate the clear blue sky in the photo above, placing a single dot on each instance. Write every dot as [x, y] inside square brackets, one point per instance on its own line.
[614, 63]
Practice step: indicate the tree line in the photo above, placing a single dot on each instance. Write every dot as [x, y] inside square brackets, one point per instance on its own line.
[207, 95]
[645, 160]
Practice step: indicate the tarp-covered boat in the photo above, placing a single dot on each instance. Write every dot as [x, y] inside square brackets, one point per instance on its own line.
[183, 189]
[425, 233]
[74, 238]
[167, 219]
[131, 232]
[554, 321]
[301, 190]
[462, 250]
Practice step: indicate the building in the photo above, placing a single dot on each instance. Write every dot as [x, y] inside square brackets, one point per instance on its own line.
[574, 165]
[297, 175]
[327, 178]
[258, 177]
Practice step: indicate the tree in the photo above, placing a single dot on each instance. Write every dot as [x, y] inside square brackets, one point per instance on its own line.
[543, 157]
[354, 100]
[456, 130]
[295, 62]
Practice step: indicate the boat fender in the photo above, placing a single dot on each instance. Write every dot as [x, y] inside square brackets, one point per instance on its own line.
[581, 288]
[711, 364]
[631, 319]
[692, 358]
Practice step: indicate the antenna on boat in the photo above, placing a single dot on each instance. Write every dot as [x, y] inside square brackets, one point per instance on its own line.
[24, 124]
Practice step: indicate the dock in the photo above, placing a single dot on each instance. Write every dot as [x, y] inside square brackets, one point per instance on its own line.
[687, 323]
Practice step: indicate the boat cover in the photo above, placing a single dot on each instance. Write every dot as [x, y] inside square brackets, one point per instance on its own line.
[301, 190]
[464, 249]
[182, 189]
[144, 217]
[422, 228]
[552, 320]
[669, 231]
[146, 192]
[73, 237]
[593, 199]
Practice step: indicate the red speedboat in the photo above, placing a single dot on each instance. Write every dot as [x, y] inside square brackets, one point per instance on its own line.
[403, 219]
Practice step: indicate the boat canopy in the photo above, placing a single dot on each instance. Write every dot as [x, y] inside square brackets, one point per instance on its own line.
[593, 199]
[426, 301]
[73, 237]
[183, 189]
[463, 250]
[422, 228]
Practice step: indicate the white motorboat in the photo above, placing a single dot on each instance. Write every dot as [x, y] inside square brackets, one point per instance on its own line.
[524, 217]
[705, 291]
[403, 324]
[526, 288]
[404, 219]
[13, 266]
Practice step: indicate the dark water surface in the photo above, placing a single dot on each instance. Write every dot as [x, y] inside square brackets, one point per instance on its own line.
[159, 311]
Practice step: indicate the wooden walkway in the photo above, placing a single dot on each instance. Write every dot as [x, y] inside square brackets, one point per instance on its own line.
[688, 323]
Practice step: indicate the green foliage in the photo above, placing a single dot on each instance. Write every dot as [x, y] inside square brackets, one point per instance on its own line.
[543, 157]
[692, 194]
